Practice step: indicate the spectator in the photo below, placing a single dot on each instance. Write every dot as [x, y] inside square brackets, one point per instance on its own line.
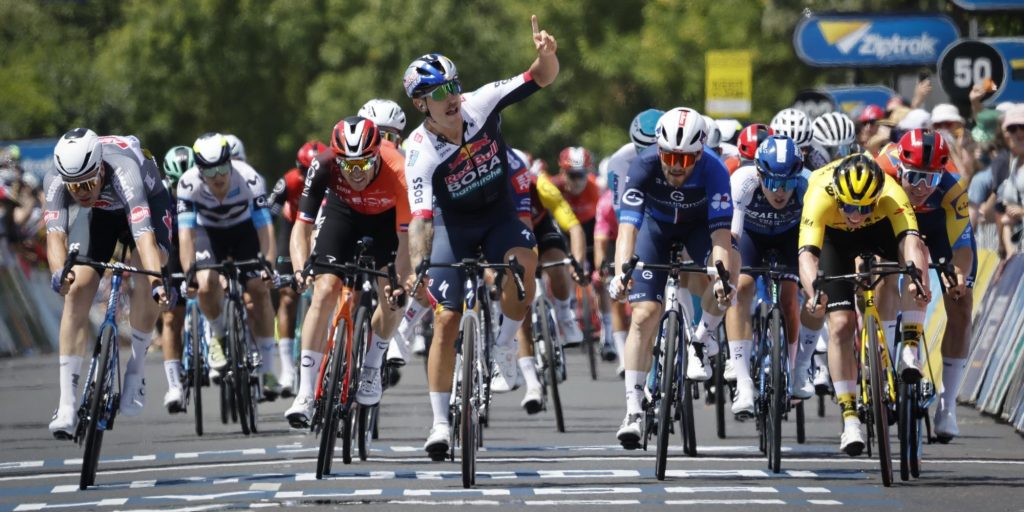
[946, 120]
[995, 160]
[1011, 192]
[868, 120]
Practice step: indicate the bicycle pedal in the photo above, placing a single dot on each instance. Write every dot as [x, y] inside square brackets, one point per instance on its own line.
[743, 416]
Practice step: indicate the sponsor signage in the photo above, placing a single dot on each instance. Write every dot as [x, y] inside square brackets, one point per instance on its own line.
[873, 41]
[970, 61]
[728, 83]
[851, 99]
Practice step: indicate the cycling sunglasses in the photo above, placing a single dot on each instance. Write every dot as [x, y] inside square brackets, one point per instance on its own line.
[84, 185]
[777, 184]
[851, 209]
[446, 89]
[684, 160]
[391, 135]
[217, 170]
[354, 165]
[915, 177]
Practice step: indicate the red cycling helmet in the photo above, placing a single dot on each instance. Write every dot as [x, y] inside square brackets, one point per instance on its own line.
[871, 113]
[307, 153]
[575, 159]
[751, 137]
[923, 150]
[355, 138]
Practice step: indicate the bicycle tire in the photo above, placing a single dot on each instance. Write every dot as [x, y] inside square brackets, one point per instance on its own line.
[905, 418]
[589, 341]
[196, 343]
[666, 386]
[488, 323]
[467, 421]
[239, 372]
[330, 399]
[801, 428]
[915, 433]
[685, 390]
[721, 390]
[365, 423]
[777, 396]
[97, 398]
[350, 430]
[225, 404]
[880, 411]
[548, 331]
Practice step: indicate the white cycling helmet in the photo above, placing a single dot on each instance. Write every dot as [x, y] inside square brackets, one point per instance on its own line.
[78, 154]
[794, 124]
[713, 133]
[236, 146]
[386, 114]
[211, 150]
[681, 130]
[834, 129]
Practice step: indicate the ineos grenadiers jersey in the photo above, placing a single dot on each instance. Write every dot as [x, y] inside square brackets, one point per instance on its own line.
[131, 180]
[703, 198]
[753, 212]
[284, 199]
[618, 166]
[246, 200]
[468, 177]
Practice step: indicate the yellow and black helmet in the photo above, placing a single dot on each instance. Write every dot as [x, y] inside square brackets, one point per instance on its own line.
[858, 180]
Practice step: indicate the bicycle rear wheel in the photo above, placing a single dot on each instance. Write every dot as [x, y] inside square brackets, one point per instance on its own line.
[98, 399]
[197, 362]
[667, 389]
[551, 362]
[350, 426]
[880, 412]
[721, 391]
[684, 387]
[777, 392]
[468, 420]
[330, 398]
[367, 422]
[801, 431]
[238, 370]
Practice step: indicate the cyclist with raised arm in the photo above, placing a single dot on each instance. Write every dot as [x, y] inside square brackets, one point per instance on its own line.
[177, 160]
[223, 214]
[852, 206]
[675, 191]
[361, 177]
[460, 195]
[117, 186]
[922, 165]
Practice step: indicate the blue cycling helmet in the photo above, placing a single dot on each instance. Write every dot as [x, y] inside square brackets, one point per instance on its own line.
[778, 157]
[642, 129]
[428, 72]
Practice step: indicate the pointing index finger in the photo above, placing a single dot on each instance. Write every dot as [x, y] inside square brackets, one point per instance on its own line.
[536, 27]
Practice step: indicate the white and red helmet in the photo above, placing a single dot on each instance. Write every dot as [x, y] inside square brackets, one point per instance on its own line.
[681, 130]
[355, 137]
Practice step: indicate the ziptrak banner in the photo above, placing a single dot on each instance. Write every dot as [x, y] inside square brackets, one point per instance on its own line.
[873, 41]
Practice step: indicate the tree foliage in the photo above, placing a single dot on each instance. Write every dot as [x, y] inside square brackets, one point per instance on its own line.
[279, 72]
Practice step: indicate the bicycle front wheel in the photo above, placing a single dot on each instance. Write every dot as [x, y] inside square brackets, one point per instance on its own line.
[684, 387]
[879, 409]
[721, 391]
[330, 399]
[776, 393]
[666, 384]
[98, 398]
[198, 364]
[551, 362]
[468, 419]
[237, 366]
[350, 430]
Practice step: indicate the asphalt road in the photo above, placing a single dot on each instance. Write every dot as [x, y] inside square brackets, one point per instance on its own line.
[156, 461]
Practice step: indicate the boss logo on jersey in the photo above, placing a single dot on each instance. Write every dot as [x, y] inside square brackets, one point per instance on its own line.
[51, 215]
[140, 214]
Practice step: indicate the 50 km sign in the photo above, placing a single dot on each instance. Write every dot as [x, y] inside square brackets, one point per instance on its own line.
[966, 63]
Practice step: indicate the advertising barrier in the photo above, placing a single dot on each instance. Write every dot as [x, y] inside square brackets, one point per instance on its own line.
[865, 40]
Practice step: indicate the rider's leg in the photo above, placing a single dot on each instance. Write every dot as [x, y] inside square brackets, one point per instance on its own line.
[737, 320]
[75, 331]
[842, 361]
[286, 314]
[441, 363]
[639, 347]
[887, 299]
[326, 290]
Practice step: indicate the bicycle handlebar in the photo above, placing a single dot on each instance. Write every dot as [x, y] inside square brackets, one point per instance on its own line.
[580, 277]
[473, 264]
[869, 278]
[677, 266]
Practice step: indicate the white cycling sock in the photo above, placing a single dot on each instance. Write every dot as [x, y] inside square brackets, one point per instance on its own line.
[708, 324]
[266, 347]
[439, 406]
[507, 333]
[217, 325]
[528, 365]
[140, 342]
[807, 339]
[952, 371]
[375, 352]
[284, 351]
[619, 337]
[311, 360]
[172, 370]
[635, 382]
[563, 310]
[740, 353]
[70, 367]
[889, 328]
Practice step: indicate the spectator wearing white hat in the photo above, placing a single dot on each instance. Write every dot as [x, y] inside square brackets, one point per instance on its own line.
[946, 120]
[1011, 192]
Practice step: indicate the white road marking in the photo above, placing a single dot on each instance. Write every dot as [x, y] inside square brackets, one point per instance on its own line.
[824, 502]
[742, 473]
[586, 490]
[265, 486]
[372, 475]
[200, 497]
[814, 489]
[725, 502]
[444, 502]
[142, 484]
[22, 464]
[689, 490]
[329, 494]
[109, 502]
[589, 473]
[551, 503]
[446, 492]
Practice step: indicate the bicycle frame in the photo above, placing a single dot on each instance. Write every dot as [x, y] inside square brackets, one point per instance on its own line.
[106, 421]
[871, 311]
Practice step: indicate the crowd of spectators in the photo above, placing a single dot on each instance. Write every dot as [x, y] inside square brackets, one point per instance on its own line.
[21, 212]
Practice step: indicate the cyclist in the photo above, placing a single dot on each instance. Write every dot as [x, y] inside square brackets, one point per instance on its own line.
[834, 134]
[459, 156]
[177, 160]
[768, 197]
[852, 206]
[223, 213]
[361, 177]
[284, 204]
[749, 140]
[236, 147]
[388, 116]
[578, 185]
[117, 186]
[674, 191]
[921, 163]
[606, 228]
[795, 124]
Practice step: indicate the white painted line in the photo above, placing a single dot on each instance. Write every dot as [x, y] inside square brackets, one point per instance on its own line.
[795, 473]
[22, 464]
[108, 502]
[58, 489]
[586, 490]
[72, 462]
[552, 503]
[445, 492]
[814, 489]
[744, 473]
[142, 484]
[589, 473]
[444, 502]
[725, 502]
[406, 449]
[372, 475]
[200, 497]
[307, 494]
[824, 502]
[691, 490]
[265, 486]
[222, 481]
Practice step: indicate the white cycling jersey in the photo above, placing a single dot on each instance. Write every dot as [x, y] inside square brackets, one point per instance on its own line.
[246, 200]
[618, 165]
